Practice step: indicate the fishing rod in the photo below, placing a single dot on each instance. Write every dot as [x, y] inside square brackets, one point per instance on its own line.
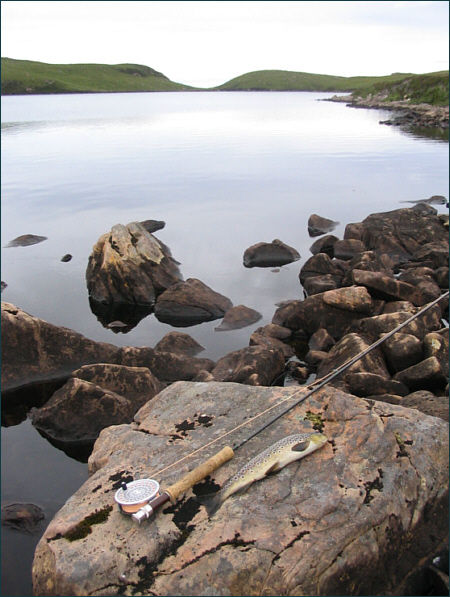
[142, 498]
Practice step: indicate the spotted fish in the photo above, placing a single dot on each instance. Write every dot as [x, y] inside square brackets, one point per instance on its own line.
[273, 459]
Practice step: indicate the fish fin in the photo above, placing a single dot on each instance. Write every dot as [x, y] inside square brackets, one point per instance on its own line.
[273, 469]
[300, 446]
[211, 502]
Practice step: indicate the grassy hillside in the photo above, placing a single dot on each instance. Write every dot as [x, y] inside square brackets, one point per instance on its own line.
[28, 77]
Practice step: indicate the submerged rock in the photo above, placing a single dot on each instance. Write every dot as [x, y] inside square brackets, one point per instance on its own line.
[352, 518]
[189, 303]
[318, 225]
[22, 517]
[65, 258]
[26, 240]
[270, 254]
[238, 317]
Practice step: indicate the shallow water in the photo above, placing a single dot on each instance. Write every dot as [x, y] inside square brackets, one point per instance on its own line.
[224, 171]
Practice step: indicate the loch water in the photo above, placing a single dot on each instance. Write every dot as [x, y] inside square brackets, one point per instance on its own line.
[224, 170]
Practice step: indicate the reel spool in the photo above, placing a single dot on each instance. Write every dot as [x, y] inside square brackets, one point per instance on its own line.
[133, 496]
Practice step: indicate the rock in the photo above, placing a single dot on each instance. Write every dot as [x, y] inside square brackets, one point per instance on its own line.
[378, 489]
[324, 245]
[296, 371]
[66, 257]
[348, 248]
[274, 331]
[119, 317]
[321, 340]
[238, 317]
[435, 253]
[318, 225]
[254, 365]
[353, 298]
[319, 284]
[385, 287]
[424, 376]
[354, 230]
[22, 517]
[203, 375]
[365, 383]
[26, 240]
[270, 254]
[314, 357]
[128, 265]
[320, 265]
[435, 344]
[137, 384]
[346, 348]
[78, 411]
[33, 349]
[257, 339]
[416, 274]
[441, 275]
[152, 225]
[3, 286]
[179, 343]
[368, 261]
[166, 366]
[382, 324]
[428, 403]
[402, 351]
[189, 303]
[395, 306]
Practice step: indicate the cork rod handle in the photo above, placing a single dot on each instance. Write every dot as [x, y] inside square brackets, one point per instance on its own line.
[199, 473]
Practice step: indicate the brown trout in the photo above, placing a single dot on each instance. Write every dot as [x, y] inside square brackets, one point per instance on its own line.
[271, 460]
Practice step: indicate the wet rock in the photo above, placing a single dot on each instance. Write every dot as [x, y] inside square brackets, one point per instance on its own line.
[354, 231]
[179, 343]
[274, 331]
[270, 254]
[320, 265]
[435, 344]
[428, 403]
[79, 411]
[128, 265]
[402, 351]
[348, 248]
[253, 365]
[318, 284]
[424, 376]
[189, 303]
[26, 518]
[324, 245]
[238, 317]
[33, 349]
[321, 340]
[365, 383]
[3, 286]
[346, 348]
[386, 287]
[26, 240]
[152, 225]
[360, 490]
[258, 339]
[318, 225]
[137, 384]
[67, 257]
[352, 298]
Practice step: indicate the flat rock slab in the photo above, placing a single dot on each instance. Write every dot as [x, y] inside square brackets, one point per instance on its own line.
[353, 518]
[270, 254]
[26, 240]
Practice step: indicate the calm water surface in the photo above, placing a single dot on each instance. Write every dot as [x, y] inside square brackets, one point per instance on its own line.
[224, 171]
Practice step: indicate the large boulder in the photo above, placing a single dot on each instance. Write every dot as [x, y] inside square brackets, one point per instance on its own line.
[257, 365]
[128, 265]
[33, 349]
[354, 518]
[270, 254]
[189, 303]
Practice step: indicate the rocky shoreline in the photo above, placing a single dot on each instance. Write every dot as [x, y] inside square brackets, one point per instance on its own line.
[406, 115]
[365, 515]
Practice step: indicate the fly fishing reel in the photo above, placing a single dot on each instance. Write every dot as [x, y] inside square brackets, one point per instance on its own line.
[133, 498]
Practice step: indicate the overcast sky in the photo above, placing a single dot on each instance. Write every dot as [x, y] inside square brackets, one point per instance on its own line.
[209, 42]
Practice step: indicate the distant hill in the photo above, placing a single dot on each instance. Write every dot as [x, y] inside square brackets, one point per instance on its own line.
[430, 88]
[29, 77]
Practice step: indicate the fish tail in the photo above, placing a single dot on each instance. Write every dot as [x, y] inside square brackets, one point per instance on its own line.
[211, 502]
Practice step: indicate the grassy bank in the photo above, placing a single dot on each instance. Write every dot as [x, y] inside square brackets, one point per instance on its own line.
[29, 77]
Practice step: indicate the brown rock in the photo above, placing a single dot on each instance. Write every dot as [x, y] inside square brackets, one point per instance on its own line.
[179, 343]
[189, 303]
[435, 344]
[348, 248]
[382, 324]
[352, 298]
[385, 287]
[441, 276]
[33, 349]
[129, 265]
[254, 365]
[424, 376]
[324, 245]
[435, 253]
[270, 254]
[428, 403]
[137, 384]
[274, 538]
[319, 265]
[395, 306]
[354, 230]
[318, 284]
[365, 383]
[238, 317]
[257, 339]
[26, 518]
[79, 411]
[318, 225]
[274, 331]
[402, 351]
[321, 340]
[315, 357]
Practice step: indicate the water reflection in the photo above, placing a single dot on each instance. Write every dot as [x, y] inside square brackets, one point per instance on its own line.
[120, 318]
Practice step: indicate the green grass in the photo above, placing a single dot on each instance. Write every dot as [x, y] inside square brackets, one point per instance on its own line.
[28, 77]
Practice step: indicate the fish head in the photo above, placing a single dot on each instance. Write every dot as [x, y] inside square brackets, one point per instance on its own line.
[318, 439]
[309, 443]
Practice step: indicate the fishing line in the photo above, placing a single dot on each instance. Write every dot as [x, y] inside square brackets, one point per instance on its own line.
[309, 390]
